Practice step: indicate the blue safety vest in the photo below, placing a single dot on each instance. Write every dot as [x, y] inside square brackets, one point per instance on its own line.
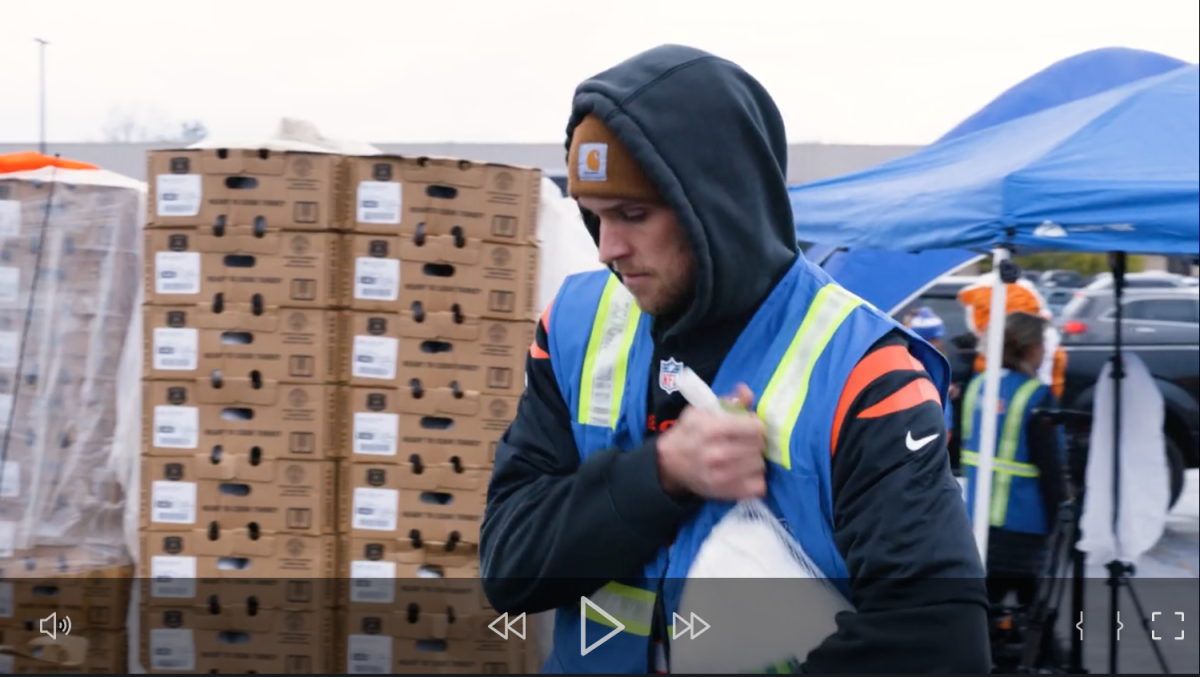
[796, 354]
[1016, 497]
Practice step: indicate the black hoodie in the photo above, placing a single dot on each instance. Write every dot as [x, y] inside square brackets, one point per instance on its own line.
[713, 142]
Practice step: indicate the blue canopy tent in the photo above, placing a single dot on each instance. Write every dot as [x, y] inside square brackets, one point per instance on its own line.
[1115, 171]
[890, 279]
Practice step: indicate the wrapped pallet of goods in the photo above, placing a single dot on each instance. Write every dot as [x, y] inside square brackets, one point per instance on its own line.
[70, 253]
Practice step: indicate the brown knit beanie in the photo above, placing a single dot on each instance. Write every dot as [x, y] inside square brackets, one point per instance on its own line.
[598, 165]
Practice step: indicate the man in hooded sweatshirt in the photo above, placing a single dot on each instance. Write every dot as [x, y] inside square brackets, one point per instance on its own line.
[606, 484]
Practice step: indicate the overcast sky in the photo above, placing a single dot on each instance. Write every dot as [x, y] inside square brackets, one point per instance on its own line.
[853, 71]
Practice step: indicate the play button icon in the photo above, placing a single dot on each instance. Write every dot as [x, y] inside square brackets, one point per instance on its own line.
[584, 605]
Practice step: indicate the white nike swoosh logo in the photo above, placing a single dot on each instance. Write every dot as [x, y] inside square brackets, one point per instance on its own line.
[917, 445]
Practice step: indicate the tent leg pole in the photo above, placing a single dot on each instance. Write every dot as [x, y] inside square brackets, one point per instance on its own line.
[994, 351]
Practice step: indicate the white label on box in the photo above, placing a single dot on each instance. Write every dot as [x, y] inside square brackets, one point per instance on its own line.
[368, 655]
[375, 433]
[176, 349]
[178, 194]
[8, 664]
[10, 218]
[177, 272]
[372, 582]
[6, 405]
[10, 479]
[173, 502]
[376, 279]
[172, 576]
[176, 427]
[10, 349]
[10, 285]
[374, 357]
[375, 509]
[8, 538]
[6, 600]
[379, 202]
[172, 649]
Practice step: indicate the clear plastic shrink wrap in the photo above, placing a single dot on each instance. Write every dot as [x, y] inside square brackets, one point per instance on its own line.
[70, 273]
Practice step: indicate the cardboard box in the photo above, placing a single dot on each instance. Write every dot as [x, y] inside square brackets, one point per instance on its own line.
[441, 503]
[228, 491]
[285, 345]
[427, 642]
[395, 195]
[233, 640]
[274, 421]
[470, 278]
[439, 427]
[242, 189]
[387, 574]
[187, 568]
[394, 350]
[279, 269]
[82, 216]
[68, 581]
[84, 650]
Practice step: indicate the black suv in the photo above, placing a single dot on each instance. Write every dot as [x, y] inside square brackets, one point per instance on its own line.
[1162, 327]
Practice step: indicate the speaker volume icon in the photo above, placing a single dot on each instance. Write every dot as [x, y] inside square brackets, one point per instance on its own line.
[52, 625]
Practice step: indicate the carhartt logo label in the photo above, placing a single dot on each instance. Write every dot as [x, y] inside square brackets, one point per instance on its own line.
[593, 162]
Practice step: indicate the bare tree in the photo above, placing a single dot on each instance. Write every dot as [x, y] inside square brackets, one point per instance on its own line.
[132, 124]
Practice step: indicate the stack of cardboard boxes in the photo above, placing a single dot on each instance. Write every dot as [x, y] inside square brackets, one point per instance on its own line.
[241, 398]
[68, 283]
[443, 278]
[334, 346]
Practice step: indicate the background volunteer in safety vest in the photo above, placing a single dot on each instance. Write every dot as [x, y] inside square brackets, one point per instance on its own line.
[1020, 297]
[1028, 479]
[678, 159]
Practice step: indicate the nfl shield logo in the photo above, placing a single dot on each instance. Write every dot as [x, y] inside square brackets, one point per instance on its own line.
[668, 375]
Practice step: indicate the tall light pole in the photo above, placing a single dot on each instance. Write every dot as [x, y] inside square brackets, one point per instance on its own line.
[41, 94]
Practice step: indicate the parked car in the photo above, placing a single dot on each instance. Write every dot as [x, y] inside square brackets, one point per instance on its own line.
[1152, 279]
[1162, 327]
[1064, 279]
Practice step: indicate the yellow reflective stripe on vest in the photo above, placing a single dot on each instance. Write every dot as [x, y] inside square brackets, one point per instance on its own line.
[607, 356]
[781, 402]
[1010, 439]
[971, 458]
[974, 388]
[632, 606]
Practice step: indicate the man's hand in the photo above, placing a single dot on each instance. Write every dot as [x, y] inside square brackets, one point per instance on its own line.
[716, 455]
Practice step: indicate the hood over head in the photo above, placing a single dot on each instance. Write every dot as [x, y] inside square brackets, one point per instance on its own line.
[710, 139]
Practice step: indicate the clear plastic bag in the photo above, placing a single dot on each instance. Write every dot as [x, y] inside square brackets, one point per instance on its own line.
[768, 602]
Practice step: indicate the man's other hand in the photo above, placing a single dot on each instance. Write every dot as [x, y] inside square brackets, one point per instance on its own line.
[715, 455]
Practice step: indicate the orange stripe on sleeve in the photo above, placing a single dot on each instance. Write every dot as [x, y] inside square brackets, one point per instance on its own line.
[873, 366]
[535, 351]
[917, 392]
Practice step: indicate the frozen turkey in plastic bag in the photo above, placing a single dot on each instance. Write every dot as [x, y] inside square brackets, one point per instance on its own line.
[763, 625]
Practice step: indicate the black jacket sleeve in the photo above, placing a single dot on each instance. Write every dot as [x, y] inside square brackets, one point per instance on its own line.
[556, 528]
[916, 579]
[1045, 452]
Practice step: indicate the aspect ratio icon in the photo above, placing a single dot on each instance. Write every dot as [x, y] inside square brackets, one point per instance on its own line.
[506, 625]
[52, 625]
